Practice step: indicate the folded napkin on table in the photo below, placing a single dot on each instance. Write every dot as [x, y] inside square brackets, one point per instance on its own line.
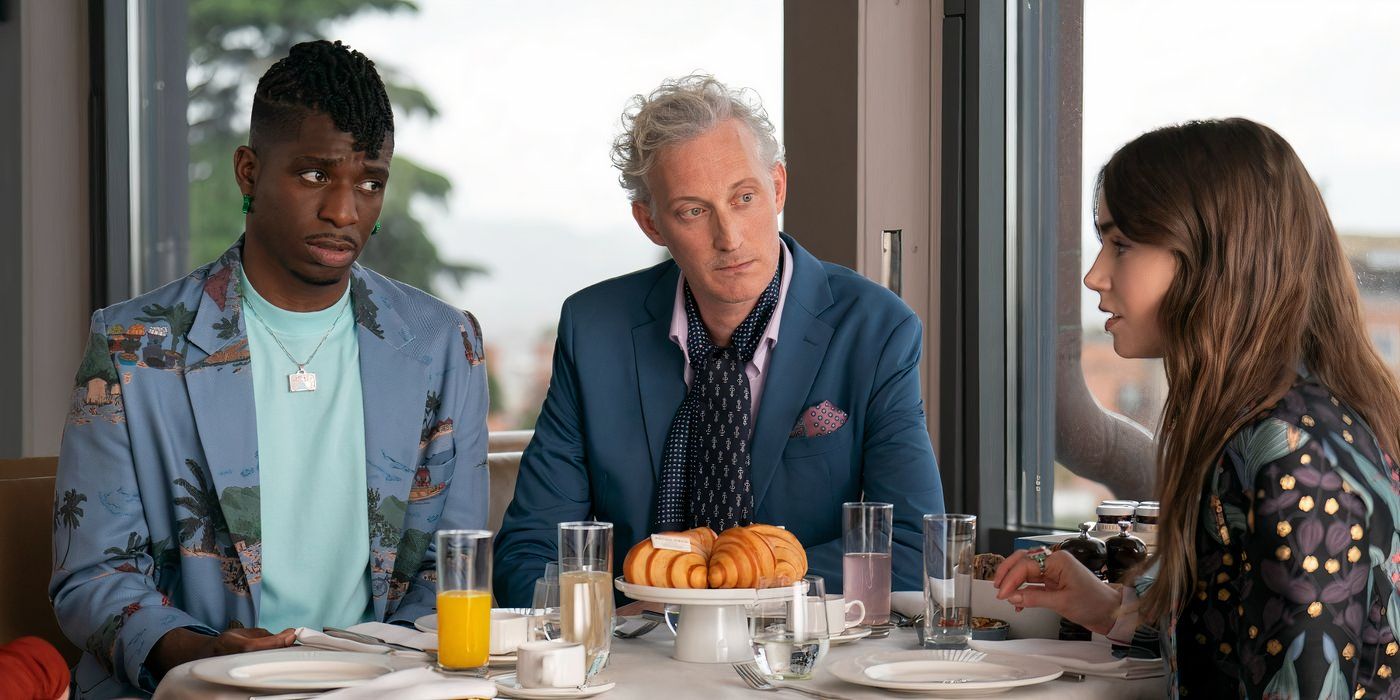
[390, 633]
[417, 684]
[1089, 658]
[907, 603]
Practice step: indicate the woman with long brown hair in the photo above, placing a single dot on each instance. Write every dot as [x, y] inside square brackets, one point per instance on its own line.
[1278, 555]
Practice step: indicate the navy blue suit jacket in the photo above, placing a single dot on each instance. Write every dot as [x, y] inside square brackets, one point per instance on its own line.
[619, 379]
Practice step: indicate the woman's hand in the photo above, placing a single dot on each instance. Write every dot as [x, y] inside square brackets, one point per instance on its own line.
[1068, 589]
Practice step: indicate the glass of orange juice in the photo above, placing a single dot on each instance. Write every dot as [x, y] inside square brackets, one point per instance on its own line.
[464, 599]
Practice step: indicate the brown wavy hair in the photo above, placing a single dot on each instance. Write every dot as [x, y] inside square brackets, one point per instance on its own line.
[1262, 288]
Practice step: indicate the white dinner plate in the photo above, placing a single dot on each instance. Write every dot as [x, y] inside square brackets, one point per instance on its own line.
[850, 635]
[298, 669]
[926, 673]
[506, 685]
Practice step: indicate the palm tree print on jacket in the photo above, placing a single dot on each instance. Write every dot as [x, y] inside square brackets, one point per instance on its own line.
[205, 517]
[69, 515]
[135, 547]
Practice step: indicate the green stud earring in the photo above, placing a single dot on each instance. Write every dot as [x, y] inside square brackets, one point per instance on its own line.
[376, 228]
[247, 203]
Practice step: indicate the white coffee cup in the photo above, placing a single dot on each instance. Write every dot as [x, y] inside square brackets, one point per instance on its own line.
[550, 664]
[838, 613]
[508, 631]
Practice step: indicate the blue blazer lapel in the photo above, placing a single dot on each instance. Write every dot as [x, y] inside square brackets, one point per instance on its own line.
[802, 342]
[220, 386]
[390, 380]
[660, 366]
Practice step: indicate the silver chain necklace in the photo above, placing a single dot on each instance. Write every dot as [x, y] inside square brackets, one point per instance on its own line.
[300, 380]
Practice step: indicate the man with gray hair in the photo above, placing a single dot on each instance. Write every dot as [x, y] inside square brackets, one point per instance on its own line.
[742, 381]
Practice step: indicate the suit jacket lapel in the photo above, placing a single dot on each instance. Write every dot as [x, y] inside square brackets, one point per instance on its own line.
[802, 342]
[392, 382]
[220, 386]
[660, 366]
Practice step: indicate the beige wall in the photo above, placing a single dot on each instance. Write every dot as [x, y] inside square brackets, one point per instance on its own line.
[54, 213]
[861, 96]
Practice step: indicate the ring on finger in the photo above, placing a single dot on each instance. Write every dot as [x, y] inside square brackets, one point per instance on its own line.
[1039, 555]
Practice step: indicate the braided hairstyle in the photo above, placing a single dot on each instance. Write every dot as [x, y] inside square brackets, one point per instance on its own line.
[328, 78]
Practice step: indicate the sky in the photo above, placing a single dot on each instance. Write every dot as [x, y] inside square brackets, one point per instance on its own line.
[530, 93]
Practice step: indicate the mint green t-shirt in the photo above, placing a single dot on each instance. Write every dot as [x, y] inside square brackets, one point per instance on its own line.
[311, 459]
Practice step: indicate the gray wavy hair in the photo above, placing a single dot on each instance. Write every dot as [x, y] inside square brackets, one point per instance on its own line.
[677, 111]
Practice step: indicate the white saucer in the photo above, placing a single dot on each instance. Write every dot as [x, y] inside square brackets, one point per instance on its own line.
[298, 669]
[507, 687]
[932, 674]
[850, 635]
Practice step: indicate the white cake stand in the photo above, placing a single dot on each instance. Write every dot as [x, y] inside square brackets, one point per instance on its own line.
[713, 626]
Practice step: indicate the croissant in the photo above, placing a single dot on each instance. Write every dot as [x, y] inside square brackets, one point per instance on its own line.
[647, 565]
[790, 559]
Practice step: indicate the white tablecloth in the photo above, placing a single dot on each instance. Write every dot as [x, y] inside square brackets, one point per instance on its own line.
[644, 670]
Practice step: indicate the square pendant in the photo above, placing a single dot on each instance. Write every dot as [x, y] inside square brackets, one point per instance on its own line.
[301, 380]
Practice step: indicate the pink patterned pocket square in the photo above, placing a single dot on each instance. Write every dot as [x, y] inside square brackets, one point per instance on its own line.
[822, 419]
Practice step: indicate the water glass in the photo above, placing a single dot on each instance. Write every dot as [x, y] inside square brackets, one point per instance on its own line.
[544, 613]
[788, 629]
[949, 543]
[464, 599]
[586, 588]
[867, 535]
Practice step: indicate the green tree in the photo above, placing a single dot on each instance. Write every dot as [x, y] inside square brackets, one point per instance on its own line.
[97, 363]
[179, 318]
[231, 44]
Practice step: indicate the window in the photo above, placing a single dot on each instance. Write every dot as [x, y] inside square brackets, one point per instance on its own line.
[1091, 76]
[502, 199]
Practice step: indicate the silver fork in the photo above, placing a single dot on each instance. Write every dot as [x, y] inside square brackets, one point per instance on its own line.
[754, 678]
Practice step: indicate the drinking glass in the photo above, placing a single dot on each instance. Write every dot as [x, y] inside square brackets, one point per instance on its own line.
[788, 628]
[949, 542]
[464, 599]
[585, 588]
[544, 613]
[867, 535]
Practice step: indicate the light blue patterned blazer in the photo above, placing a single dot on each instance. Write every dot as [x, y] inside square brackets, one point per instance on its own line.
[156, 520]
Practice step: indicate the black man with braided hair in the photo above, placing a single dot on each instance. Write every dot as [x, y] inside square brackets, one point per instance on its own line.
[270, 442]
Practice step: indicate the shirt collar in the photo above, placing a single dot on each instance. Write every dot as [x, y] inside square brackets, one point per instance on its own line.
[679, 327]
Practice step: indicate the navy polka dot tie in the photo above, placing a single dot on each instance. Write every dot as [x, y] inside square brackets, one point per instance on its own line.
[705, 465]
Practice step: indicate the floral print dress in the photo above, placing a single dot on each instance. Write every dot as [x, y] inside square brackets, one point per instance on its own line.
[1298, 557]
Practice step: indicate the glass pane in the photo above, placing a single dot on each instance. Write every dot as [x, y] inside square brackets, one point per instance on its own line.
[1313, 76]
[502, 198]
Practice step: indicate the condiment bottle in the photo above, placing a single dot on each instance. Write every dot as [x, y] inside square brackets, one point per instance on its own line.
[1125, 552]
[1092, 553]
[1109, 513]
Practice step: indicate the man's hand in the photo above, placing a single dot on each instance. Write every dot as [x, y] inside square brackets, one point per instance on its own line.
[180, 645]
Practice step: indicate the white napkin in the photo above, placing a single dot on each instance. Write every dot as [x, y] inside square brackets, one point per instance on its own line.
[417, 684]
[316, 639]
[1089, 658]
[907, 603]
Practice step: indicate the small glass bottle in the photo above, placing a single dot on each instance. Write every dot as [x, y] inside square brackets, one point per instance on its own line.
[1109, 513]
[1145, 522]
[1092, 553]
[1125, 552]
